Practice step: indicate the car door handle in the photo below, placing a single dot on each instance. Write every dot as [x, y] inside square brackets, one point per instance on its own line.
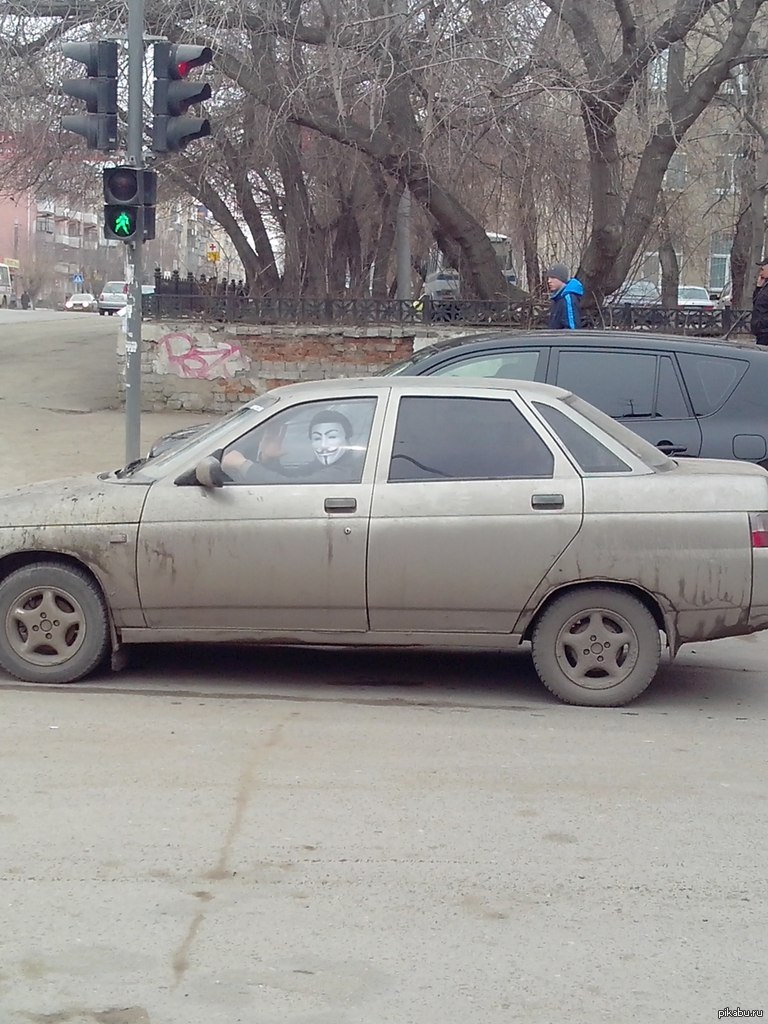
[547, 501]
[669, 448]
[341, 504]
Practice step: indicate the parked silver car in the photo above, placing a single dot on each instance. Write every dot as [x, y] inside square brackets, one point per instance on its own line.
[112, 297]
[433, 512]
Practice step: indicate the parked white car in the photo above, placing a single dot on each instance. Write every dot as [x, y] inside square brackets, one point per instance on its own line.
[694, 295]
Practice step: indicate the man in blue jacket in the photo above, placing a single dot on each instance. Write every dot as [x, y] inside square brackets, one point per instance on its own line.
[565, 292]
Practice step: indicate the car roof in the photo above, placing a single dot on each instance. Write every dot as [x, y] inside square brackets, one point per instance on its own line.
[406, 383]
[614, 339]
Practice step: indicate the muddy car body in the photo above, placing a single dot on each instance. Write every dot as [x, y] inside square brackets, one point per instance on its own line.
[472, 514]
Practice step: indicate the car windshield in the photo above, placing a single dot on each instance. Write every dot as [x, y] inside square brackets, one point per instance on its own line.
[693, 293]
[211, 435]
[642, 449]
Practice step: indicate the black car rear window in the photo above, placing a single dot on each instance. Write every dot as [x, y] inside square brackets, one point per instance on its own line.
[710, 379]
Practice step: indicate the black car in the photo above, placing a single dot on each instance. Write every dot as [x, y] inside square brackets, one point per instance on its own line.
[689, 397]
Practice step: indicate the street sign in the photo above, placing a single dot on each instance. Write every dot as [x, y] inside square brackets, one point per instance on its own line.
[78, 279]
[213, 254]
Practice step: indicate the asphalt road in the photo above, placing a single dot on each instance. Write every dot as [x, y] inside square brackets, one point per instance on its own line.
[216, 836]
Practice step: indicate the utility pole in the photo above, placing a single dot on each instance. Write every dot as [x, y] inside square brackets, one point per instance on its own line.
[403, 246]
[133, 250]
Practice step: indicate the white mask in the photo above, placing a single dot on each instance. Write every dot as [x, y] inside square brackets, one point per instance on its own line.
[329, 442]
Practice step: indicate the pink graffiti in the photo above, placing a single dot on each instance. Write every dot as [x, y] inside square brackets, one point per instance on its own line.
[187, 359]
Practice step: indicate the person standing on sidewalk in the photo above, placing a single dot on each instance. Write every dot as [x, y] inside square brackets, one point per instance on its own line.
[565, 292]
[759, 325]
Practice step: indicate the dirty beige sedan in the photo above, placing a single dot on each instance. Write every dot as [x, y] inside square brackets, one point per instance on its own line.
[394, 511]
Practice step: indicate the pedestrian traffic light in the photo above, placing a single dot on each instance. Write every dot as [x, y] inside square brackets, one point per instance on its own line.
[172, 98]
[130, 194]
[99, 90]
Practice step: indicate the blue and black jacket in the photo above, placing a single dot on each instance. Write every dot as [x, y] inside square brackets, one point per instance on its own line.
[565, 314]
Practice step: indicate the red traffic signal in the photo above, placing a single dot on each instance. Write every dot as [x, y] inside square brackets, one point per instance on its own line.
[184, 58]
[172, 97]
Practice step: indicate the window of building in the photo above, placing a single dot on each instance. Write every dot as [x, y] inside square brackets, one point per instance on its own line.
[466, 439]
[719, 260]
[676, 175]
[725, 174]
[44, 224]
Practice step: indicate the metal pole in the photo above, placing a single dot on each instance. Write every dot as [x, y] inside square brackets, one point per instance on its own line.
[135, 155]
[403, 246]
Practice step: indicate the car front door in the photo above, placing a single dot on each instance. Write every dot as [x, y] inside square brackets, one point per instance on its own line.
[282, 546]
[642, 389]
[471, 509]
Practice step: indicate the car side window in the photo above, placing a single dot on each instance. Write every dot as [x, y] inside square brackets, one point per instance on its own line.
[439, 438]
[710, 379]
[312, 443]
[591, 454]
[670, 400]
[620, 383]
[512, 365]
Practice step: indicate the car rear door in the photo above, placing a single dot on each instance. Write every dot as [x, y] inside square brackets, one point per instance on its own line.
[471, 509]
[643, 389]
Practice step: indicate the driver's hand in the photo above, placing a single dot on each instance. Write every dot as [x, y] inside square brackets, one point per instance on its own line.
[233, 460]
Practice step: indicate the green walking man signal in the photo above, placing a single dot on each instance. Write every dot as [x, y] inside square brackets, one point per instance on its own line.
[130, 194]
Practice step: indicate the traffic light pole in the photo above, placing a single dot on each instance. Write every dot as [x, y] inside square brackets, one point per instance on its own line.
[133, 254]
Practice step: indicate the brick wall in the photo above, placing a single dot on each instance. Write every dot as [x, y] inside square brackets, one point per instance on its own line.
[214, 368]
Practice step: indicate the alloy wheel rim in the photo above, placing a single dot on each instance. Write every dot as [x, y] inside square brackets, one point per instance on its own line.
[597, 649]
[45, 626]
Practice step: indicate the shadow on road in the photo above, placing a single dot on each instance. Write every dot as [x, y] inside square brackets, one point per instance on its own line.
[709, 679]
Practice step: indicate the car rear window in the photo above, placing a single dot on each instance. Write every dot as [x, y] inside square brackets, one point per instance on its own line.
[710, 379]
[591, 454]
[114, 286]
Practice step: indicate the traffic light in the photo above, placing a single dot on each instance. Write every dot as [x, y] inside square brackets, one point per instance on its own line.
[130, 194]
[172, 98]
[99, 90]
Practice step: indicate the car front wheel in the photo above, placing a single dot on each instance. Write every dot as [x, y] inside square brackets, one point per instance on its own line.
[596, 646]
[53, 623]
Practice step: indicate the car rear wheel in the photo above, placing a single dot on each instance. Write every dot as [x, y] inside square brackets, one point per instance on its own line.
[596, 646]
[53, 623]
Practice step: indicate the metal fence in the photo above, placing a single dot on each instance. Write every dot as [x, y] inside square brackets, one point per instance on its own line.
[209, 299]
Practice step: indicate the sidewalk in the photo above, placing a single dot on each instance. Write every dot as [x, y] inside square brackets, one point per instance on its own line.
[38, 444]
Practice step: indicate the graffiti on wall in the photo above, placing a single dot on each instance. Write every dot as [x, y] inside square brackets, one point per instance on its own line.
[197, 356]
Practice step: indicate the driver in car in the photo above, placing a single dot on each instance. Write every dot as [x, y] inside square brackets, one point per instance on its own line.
[336, 459]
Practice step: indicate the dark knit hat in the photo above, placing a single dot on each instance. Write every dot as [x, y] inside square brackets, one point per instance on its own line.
[331, 416]
[560, 271]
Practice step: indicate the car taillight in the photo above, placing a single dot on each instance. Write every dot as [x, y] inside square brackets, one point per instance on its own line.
[125, 289]
[758, 526]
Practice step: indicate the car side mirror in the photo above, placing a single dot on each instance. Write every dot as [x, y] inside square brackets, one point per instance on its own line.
[209, 472]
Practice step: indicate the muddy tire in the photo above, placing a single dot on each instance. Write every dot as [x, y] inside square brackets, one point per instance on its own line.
[597, 647]
[53, 623]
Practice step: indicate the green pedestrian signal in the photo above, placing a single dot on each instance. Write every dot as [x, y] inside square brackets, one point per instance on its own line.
[120, 222]
[123, 225]
[130, 194]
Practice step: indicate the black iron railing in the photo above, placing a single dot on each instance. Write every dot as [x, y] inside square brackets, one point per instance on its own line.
[187, 298]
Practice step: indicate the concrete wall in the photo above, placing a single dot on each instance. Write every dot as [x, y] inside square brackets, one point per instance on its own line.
[214, 368]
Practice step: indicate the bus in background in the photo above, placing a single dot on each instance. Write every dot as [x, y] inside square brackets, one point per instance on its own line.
[442, 281]
[6, 285]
